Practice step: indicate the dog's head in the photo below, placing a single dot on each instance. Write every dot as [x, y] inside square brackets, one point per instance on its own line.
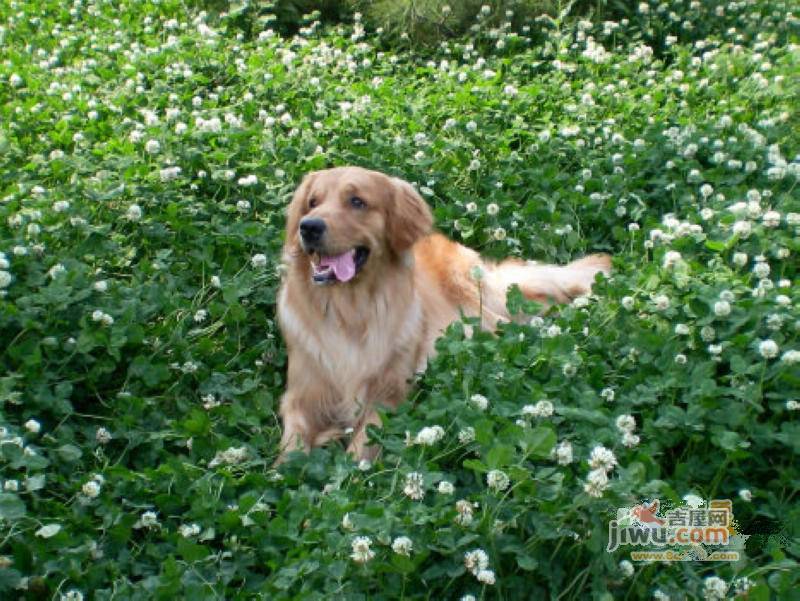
[347, 220]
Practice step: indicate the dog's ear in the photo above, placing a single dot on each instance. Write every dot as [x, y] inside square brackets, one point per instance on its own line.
[296, 208]
[410, 218]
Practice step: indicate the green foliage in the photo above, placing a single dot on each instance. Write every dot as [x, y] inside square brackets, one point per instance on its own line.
[146, 157]
[430, 22]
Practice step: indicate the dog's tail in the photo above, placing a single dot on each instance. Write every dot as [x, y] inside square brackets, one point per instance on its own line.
[539, 282]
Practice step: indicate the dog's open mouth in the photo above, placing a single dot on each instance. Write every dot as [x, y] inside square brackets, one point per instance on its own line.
[339, 268]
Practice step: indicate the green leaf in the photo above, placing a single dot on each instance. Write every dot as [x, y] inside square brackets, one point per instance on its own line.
[11, 506]
[69, 453]
[499, 456]
[539, 441]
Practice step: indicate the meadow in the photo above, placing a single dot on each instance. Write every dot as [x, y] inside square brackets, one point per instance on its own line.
[147, 152]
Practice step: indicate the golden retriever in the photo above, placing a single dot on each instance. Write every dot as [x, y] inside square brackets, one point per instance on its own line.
[369, 287]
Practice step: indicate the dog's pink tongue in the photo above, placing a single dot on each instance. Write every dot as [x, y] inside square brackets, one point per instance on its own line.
[343, 266]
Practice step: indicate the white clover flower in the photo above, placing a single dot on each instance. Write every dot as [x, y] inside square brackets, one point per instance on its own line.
[630, 440]
[707, 333]
[100, 286]
[149, 519]
[230, 456]
[152, 146]
[402, 545]
[682, 329]
[200, 316]
[740, 259]
[602, 458]
[476, 560]
[471, 207]
[11, 485]
[497, 480]
[188, 530]
[680, 359]
[33, 426]
[661, 302]
[714, 589]
[791, 357]
[479, 401]
[464, 511]
[626, 567]
[102, 436]
[134, 213]
[722, 308]
[742, 585]
[486, 577]
[215, 281]
[761, 269]
[364, 465]
[607, 394]
[771, 219]
[361, 551]
[671, 259]
[258, 260]
[429, 435]
[746, 495]
[693, 501]
[792, 405]
[446, 488]
[61, 206]
[580, 302]
[492, 209]
[347, 522]
[626, 423]
[414, 486]
[563, 453]
[742, 228]
[56, 270]
[169, 174]
[466, 435]
[72, 595]
[48, 531]
[542, 409]
[627, 302]
[596, 483]
[468, 598]
[768, 349]
[553, 330]
[91, 489]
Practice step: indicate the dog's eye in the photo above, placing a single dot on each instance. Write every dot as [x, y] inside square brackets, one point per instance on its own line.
[312, 203]
[357, 203]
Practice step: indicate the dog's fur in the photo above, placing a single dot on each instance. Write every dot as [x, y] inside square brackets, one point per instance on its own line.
[354, 346]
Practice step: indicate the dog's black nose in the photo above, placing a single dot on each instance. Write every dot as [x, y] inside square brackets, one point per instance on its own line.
[311, 229]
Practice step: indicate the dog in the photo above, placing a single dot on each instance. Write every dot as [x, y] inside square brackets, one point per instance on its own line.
[367, 289]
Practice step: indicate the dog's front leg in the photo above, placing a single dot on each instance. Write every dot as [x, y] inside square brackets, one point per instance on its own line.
[358, 446]
[296, 436]
[388, 390]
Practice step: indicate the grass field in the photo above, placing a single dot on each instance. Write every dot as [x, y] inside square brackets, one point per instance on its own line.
[147, 152]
